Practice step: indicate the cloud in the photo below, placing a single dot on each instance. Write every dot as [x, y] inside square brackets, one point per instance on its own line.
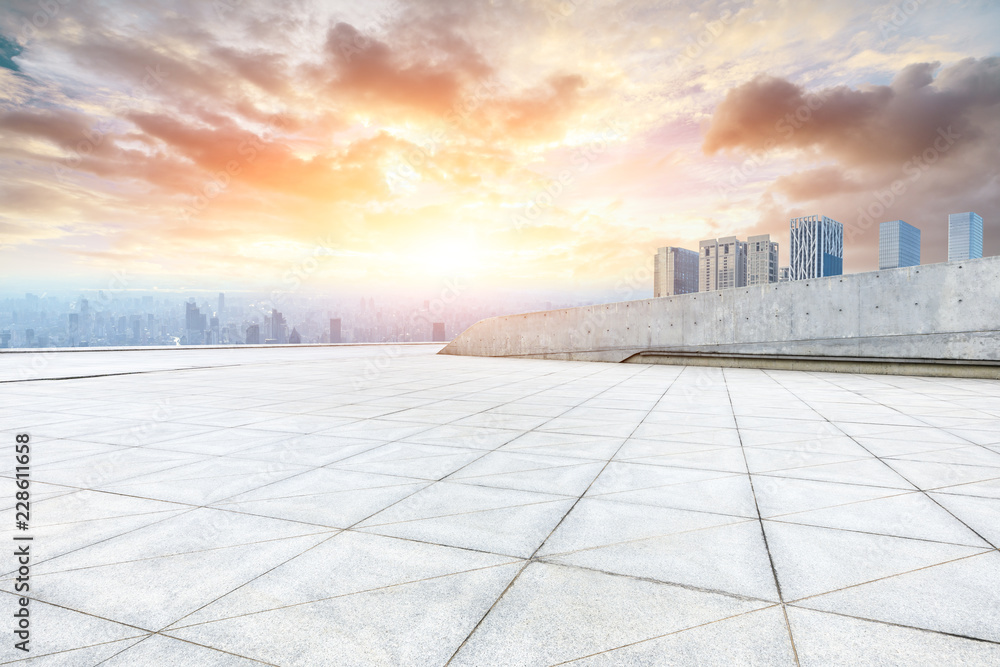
[539, 114]
[871, 125]
[411, 120]
[816, 183]
[430, 78]
[63, 127]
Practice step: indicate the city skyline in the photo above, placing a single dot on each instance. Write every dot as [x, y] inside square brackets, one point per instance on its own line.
[393, 142]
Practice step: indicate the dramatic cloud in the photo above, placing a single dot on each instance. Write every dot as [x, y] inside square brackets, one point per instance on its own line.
[874, 124]
[540, 143]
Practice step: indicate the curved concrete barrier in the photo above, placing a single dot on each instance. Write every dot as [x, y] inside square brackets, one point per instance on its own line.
[942, 315]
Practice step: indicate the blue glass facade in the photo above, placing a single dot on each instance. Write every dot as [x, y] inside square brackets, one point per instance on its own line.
[898, 245]
[965, 236]
[832, 265]
[816, 248]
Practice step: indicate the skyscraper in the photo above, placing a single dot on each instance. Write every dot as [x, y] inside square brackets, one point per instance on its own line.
[277, 327]
[675, 271]
[222, 304]
[74, 329]
[965, 236]
[816, 248]
[898, 245]
[335, 330]
[194, 324]
[762, 260]
[192, 317]
[722, 264]
[253, 335]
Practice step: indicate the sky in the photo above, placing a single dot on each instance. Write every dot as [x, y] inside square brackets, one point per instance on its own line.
[522, 144]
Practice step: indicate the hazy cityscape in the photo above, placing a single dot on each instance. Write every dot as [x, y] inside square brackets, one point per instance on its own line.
[101, 318]
[98, 318]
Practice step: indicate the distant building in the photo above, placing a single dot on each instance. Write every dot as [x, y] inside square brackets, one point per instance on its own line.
[816, 248]
[762, 260]
[437, 333]
[294, 338]
[965, 236]
[722, 264]
[222, 304]
[898, 245]
[335, 330]
[73, 329]
[783, 274]
[277, 327]
[253, 335]
[675, 271]
[192, 317]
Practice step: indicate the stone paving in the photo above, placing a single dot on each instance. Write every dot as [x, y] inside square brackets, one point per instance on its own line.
[383, 505]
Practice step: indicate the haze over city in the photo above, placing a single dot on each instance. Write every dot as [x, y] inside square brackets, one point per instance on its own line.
[390, 146]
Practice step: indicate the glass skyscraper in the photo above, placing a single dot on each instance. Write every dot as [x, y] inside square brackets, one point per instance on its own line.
[898, 245]
[675, 271]
[816, 248]
[965, 236]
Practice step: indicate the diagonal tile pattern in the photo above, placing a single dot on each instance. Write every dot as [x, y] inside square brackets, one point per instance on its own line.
[361, 505]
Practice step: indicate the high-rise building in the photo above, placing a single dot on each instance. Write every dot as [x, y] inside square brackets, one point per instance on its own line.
[722, 264]
[335, 330]
[277, 327]
[816, 248]
[437, 332]
[74, 324]
[194, 324]
[675, 271]
[253, 335]
[898, 245]
[222, 304]
[708, 265]
[783, 274]
[192, 317]
[762, 260]
[965, 236]
[294, 338]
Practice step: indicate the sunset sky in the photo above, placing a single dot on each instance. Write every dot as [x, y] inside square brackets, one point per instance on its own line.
[525, 143]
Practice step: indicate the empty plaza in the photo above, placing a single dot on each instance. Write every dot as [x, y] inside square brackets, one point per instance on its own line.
[385, 505]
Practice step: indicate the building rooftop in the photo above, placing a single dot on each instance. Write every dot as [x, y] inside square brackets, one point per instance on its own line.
[383, 505]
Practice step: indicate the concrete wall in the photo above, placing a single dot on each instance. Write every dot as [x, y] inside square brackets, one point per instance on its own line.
[934, 312]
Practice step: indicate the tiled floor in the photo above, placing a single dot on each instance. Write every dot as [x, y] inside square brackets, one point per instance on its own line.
[387, 506]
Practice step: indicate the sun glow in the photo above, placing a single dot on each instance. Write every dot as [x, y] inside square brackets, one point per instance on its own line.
[449, 257]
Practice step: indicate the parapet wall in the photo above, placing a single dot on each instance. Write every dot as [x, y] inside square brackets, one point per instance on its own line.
[946, 312]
